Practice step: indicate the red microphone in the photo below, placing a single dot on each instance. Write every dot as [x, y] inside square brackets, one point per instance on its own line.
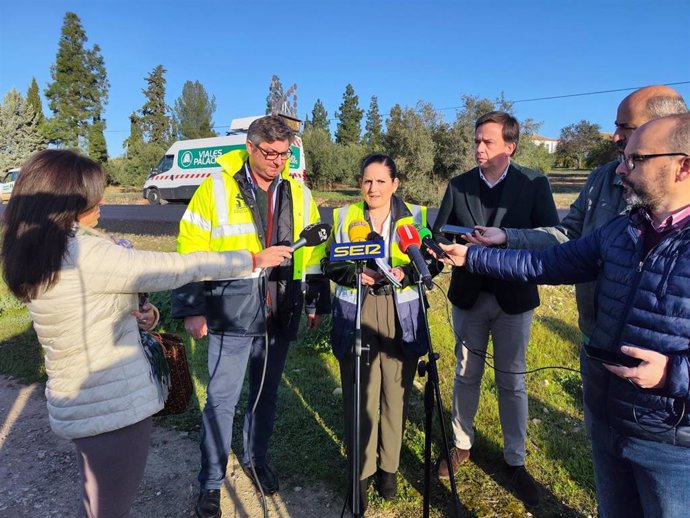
[410, 243]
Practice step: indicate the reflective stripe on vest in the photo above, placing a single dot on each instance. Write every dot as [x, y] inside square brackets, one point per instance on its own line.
[195, 219]
[219, 199]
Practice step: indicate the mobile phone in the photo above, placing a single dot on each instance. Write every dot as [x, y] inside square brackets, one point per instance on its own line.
[610, 357]
[454, 229]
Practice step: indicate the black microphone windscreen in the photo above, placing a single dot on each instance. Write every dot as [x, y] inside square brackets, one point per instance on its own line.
[316, 234]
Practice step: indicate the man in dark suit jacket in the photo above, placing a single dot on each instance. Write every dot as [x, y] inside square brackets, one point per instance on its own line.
[497, 193]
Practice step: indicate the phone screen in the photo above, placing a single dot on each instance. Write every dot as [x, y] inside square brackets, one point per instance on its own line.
[611, 358]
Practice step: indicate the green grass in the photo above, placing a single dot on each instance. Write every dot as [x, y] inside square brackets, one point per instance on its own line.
[308, 447]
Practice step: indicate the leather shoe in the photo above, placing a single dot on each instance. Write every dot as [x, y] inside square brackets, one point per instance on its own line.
[387, 485]
[458, 456]
[208, 504]
[523, 485]
[267, 478]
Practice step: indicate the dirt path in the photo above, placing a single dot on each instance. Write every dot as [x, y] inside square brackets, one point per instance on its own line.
[39, 475]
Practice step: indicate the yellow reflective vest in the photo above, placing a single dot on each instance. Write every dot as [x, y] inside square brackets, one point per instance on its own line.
[222, 216]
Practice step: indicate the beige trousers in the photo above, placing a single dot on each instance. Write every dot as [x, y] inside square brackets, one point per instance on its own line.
[386, 383]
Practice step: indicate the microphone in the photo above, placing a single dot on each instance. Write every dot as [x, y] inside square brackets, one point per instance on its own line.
[358, 231]
[312, 235]
[409, 243]
[360, 246]
[428, 241]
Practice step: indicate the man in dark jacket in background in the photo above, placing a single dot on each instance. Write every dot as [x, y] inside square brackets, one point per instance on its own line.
[497, 192]
[601, 198]
[638, 416]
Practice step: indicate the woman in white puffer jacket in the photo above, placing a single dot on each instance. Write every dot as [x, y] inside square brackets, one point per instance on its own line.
[81, 290]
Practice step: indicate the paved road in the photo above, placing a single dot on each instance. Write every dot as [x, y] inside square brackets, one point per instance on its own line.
[162, 220]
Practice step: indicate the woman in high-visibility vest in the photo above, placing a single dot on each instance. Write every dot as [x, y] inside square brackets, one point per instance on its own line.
[391, 322]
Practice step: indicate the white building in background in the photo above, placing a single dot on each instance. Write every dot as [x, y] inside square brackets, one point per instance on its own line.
[549, 143]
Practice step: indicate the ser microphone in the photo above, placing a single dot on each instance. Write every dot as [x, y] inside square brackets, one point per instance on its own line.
[409, 242]
[359, 246]
[312, 235]
[428, 241]
[358, 230]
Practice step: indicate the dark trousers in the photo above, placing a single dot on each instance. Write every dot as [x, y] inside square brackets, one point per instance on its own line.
[111, 466]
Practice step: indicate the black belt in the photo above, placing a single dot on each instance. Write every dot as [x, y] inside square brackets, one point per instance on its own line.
[386, 289]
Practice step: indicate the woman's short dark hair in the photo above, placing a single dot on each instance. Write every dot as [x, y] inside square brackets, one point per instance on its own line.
[379, 158]
[53, 189]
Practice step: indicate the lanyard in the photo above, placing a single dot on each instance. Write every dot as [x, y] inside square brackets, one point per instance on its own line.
[272, 200]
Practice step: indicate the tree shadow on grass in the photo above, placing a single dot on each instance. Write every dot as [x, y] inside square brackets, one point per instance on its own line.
[474, 480]
[566, 331]
[412, 461]
[487, 455]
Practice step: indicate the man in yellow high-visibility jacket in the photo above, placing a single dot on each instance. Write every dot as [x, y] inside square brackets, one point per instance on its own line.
[253, 203]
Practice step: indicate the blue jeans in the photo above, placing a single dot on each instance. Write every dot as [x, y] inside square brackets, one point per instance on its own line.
[637, 478]
[227, 364]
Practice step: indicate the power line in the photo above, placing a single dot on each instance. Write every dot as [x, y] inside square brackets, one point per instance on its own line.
[594, 93]
[582, 94]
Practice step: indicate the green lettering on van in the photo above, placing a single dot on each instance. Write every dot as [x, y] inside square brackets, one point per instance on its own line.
[197, 158]
[204, 157]
[296, 158]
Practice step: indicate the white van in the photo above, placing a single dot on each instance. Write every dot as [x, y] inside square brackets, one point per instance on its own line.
[189, 162]
[7, 184]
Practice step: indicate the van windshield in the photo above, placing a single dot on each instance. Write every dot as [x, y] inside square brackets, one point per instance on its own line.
[165, 164]
[10, 177]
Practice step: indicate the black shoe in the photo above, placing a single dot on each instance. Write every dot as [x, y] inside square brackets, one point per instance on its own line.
[208, 504]
[524, 486]
[267, 478]
[387, 484]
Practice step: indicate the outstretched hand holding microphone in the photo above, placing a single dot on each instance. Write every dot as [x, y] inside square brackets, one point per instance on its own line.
[312, 235]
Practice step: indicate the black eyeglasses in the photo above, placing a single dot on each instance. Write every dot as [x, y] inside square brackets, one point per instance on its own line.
[630, 160]
[272, 155]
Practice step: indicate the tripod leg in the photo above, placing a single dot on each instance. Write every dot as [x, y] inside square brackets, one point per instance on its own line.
[433, 379]
[429, 415]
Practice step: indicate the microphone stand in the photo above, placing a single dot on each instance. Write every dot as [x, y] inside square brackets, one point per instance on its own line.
[432, 394]
[357, 511]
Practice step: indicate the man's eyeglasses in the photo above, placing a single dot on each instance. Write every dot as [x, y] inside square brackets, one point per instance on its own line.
[631, 160]
[272, 155]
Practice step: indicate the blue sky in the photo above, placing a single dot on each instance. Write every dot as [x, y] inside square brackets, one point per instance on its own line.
[401, 51]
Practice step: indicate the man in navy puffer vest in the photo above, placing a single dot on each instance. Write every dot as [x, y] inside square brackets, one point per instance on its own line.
[638, 417]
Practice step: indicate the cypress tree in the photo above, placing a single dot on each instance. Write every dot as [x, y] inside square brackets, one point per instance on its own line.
[373, 127]
[193, 112]
[319, 117]
[19, 135]
[350, 117]
[97, 149]
[33, 101]
[155, 122]
[79, 89]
